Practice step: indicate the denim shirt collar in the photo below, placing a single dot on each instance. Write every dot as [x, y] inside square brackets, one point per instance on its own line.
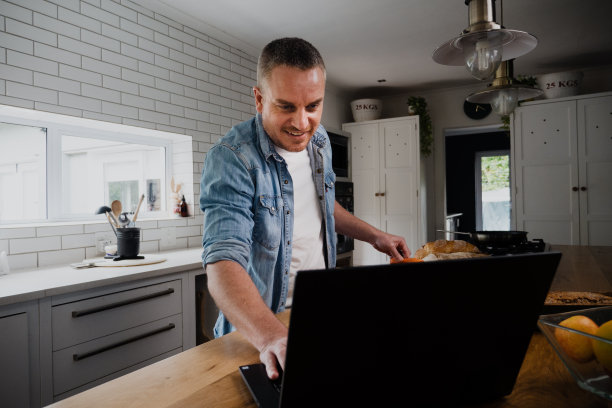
[265, 143]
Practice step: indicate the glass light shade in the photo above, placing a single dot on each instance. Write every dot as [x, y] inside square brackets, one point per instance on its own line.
[482, 57]
[506, 101]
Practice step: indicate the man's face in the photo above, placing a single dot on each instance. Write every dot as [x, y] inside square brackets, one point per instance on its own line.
[291, 103]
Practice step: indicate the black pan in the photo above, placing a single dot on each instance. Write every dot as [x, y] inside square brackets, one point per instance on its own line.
[494, 238]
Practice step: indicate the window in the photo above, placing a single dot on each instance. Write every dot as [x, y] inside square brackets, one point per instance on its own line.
[493, 191]
[59, 168]
[22, 172]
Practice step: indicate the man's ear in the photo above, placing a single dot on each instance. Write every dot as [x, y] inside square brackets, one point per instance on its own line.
[258, 99]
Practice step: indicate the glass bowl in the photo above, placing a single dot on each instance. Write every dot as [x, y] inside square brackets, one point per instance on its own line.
[590, 375]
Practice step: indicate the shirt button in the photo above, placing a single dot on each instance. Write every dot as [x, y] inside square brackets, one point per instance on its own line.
[319, 171]
[288, 212]
[320, 197]
[286, 181]
[288, 242]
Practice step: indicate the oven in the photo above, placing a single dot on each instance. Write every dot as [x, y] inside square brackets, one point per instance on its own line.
[345, 246]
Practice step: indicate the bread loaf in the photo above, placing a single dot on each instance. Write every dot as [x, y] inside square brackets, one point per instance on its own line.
[443, 249]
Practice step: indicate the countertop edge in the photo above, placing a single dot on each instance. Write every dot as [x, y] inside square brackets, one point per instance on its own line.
[36, 284]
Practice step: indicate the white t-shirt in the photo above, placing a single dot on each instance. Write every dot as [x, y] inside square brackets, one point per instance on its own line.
[307, 241]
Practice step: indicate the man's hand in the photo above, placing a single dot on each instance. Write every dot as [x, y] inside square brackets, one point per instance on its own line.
[236, 295]
[392, 245]
[273, 356]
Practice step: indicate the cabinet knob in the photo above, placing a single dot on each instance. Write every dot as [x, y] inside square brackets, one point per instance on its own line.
[574, 188]
[583, 188]
[382, 194]
[379, 194]
[376, 194]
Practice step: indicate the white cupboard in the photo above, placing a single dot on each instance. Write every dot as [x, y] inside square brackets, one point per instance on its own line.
[386, 175]
[562, 155]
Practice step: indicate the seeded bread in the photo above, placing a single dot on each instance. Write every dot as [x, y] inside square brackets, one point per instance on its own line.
[577, 298]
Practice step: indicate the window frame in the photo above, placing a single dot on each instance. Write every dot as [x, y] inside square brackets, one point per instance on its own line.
[58, 125]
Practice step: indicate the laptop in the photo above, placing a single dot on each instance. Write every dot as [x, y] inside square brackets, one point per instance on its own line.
[441, 333]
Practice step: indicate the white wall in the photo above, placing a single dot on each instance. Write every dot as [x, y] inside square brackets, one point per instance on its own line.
[117, 61]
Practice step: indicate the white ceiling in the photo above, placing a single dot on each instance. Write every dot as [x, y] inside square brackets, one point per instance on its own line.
[363, 41]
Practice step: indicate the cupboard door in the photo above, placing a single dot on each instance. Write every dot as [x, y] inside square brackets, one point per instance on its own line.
[595, 152]
[14, 361]
[365, 157]
[547, 205]
[385, 169]
[399, 180]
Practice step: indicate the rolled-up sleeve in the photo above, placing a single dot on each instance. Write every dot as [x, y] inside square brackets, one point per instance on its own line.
[226, 198]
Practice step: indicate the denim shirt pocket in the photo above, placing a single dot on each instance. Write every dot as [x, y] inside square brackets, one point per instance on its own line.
[268, 221]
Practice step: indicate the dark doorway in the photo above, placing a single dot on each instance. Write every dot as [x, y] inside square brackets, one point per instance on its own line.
[461, 188]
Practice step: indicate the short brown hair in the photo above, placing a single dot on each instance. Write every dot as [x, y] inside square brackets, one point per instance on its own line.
[293, 52]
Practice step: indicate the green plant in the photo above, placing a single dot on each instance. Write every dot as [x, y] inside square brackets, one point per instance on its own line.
[419, 105]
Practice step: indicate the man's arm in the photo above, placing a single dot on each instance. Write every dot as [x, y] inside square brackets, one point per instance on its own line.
[237, 297]
[347, 224]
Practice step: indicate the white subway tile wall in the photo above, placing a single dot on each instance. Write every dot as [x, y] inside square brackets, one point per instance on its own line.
[116, 61]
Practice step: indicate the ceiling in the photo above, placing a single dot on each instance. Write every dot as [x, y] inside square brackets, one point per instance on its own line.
[364, 41]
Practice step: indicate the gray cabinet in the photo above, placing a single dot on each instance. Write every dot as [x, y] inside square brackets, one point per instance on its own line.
[19, 386]
[103, 334]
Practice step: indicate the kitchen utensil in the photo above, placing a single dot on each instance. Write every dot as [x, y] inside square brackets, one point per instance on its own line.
[128, 242]
[138, 208]
[117, 208]
[106, 210]
[493, 238]
[124, 220]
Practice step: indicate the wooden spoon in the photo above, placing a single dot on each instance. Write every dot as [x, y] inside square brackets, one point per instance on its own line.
[138, 208]
[117, 208]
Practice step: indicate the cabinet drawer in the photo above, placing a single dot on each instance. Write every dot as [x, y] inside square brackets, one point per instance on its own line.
[85, 320]
[81, 364]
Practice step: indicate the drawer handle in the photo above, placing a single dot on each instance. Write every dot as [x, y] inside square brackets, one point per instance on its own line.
[84, 312]
[77, 357]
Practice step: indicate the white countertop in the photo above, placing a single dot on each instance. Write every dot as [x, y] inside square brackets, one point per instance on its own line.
[42, 282]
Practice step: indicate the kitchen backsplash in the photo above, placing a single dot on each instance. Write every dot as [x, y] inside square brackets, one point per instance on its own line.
[116, 61]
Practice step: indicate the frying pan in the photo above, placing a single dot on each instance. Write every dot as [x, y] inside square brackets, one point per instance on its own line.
[494, 238]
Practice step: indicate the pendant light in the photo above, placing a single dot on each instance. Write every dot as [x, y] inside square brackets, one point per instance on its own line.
[484, 44]
[503, 93]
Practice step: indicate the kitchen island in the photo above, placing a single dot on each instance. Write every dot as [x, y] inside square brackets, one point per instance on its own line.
[207, 375]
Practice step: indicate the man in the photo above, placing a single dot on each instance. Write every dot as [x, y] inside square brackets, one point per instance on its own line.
[267, 193]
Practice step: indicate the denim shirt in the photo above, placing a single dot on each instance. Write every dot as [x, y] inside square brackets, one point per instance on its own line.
[246, 194]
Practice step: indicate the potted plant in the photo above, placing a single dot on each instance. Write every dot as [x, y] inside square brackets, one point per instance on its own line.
[417, 105]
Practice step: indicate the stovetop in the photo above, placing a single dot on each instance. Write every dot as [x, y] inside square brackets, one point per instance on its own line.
[535, 245]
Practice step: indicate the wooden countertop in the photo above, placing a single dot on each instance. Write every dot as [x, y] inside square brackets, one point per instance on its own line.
[584, 269]
[207, 376]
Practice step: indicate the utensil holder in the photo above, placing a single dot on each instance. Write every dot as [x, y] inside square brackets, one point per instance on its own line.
[128, 242]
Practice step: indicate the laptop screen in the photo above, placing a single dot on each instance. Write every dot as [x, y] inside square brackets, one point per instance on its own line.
[429, 333]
